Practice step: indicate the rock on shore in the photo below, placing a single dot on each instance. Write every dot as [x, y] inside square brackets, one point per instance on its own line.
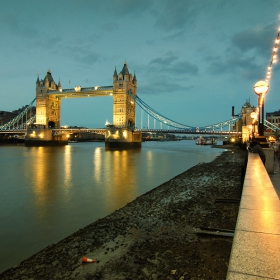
[156, 235]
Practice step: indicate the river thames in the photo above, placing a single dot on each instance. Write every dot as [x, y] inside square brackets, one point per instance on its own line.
[48, 193]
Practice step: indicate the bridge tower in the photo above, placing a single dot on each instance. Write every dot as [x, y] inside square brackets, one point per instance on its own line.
[47, 115]
[124, 107]
[47, 106]
[121, 134]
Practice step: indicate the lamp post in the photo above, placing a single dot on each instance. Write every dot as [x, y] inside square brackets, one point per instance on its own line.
[253, 116]
[261, 89]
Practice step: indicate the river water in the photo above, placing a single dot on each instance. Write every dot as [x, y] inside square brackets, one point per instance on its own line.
[47, 193]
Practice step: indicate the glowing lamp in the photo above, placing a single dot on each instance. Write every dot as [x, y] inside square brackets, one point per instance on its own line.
[77, 88]
[261, 88]
[254, 115]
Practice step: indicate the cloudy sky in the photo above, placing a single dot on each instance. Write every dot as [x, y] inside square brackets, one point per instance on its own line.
[194, 59]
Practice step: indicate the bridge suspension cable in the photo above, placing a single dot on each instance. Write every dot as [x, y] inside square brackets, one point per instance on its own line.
[15, 120]
[150, 111]
[271, 126]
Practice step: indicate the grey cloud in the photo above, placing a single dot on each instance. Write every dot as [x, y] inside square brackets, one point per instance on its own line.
[162, 85]
[258, 38]
[89, 58]
[17, 26]
[164, 61]
[185, 67]
[172, 15]
[165, 74]
[216, 65]
[247, 68]
[123, 8]
[158, 81]
[250, 53]
[82, 54]
[50, 44]
[169, 65]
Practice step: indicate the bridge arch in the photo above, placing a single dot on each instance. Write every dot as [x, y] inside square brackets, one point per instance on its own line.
[51, 124]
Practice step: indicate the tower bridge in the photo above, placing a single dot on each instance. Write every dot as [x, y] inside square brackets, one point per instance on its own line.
[49, 95]
[48, 107]
[45, 128]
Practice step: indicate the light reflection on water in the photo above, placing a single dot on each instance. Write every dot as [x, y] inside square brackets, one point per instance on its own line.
[67, 166]
[97, 164]
[47, 193]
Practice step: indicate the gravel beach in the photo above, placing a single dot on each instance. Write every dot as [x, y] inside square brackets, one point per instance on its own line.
[160, 235]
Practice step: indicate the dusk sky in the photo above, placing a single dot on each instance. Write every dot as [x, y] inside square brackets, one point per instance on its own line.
[193, 59]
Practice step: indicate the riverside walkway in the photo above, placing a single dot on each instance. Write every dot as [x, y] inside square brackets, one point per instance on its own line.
[256, 244]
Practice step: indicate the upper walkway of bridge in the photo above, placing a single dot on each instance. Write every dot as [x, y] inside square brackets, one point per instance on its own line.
[79, 92]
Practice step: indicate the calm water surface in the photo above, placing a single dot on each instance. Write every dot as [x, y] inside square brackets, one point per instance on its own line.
[47, 193]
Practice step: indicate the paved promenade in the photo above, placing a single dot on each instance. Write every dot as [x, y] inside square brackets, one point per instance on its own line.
[256, 245]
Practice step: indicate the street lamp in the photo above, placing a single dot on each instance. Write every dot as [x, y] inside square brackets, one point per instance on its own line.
[254, 117]
[261, 89]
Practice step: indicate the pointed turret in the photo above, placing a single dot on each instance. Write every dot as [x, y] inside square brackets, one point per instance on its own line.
[46, 82]
[59, 87]
[125, 69]
[115, 76]
[134, 80]
[37, 81]
[48, 78]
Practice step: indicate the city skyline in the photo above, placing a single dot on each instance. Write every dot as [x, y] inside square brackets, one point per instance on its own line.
[193, 60]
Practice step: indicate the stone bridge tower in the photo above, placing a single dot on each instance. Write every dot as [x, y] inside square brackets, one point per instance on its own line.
[124, 107]
[47, 106]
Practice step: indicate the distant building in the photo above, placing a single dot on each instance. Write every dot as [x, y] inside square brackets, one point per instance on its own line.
[6, 117]
[246, 124]
[274, 117]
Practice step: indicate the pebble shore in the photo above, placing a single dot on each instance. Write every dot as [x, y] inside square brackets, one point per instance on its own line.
[156, 236]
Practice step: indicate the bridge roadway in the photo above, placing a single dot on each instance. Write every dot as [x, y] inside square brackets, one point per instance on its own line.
[147, 130]
[182, 131]
[173, 131]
